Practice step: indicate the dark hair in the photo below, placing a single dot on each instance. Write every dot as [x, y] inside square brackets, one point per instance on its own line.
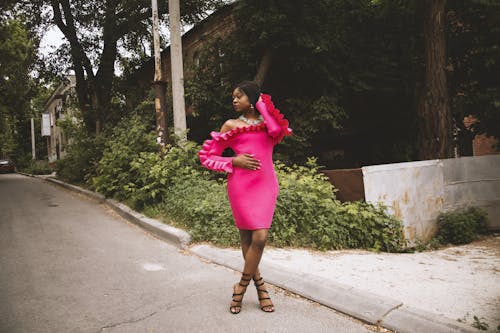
[251, 89]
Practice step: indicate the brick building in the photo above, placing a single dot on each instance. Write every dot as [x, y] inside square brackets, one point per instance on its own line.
[481, 143]
[218, 25]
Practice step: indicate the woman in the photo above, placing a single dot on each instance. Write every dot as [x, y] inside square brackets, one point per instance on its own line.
[252, 183]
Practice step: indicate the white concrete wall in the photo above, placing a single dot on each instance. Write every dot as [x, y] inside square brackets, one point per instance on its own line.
[416, 192]
[474, 181]
[412, 191]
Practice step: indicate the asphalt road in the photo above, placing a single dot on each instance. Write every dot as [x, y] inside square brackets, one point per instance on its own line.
[68, 264]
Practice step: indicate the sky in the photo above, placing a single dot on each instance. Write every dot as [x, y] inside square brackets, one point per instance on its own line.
[54, 38]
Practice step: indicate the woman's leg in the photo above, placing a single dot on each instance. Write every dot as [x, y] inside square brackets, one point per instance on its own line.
[254, 251]
[240, 288]
[246, 242]
[252, 246]
[253, 256]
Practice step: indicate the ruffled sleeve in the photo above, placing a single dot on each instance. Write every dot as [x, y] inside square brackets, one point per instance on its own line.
[276, 124]
[210, 154]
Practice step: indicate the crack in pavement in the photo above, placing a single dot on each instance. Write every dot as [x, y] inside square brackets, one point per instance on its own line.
[379, 321]
[128, 321]
[160, 309]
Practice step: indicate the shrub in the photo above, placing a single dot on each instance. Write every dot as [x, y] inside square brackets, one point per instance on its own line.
[307, 214]
[83, 153]
[304, 211]
[126, 142]
[371, 227]
[37, 168]
[201, 205]
[175, 186]
[154, 174]
[462, 226]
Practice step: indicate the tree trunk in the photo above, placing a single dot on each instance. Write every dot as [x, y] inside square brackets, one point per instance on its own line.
[159, 85]
[265, 64]
[435, 138]
[93, 91]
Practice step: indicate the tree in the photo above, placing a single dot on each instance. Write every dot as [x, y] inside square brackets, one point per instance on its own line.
[343, 87]
[16, 89]
[95, 31]
[473, 35]
[435, 125]
[327, 71]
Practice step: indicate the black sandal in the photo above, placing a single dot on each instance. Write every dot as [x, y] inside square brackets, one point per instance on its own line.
[260, 283]
[235, 309]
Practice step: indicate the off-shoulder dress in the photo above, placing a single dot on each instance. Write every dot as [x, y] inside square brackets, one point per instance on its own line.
[252, 193]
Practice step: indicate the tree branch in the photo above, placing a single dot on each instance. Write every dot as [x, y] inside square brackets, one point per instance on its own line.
[130, 21]
[110, 38]
[80, 59]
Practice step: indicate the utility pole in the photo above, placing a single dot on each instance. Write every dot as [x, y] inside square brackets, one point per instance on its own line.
[159, 83]
[33, 152]
[177, 69]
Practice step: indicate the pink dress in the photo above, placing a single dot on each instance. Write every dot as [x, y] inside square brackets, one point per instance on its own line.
[252, 193]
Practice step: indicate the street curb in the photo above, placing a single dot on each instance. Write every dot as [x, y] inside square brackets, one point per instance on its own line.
[174, 236]
[410, 319]
[366, 306]
[177, 237]
[96, 196]
[25, 174]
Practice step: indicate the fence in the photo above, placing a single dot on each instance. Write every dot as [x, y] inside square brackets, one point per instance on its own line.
[416, 192]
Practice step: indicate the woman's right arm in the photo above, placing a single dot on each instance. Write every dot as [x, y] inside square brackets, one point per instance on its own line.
[211, 154]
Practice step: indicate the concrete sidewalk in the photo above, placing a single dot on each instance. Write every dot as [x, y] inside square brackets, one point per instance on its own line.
[401, 292]
[415, 292]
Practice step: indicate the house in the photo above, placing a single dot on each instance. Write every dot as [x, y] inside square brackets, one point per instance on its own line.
[57, 108]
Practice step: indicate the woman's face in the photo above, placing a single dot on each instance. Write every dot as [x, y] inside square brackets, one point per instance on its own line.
[240, 100]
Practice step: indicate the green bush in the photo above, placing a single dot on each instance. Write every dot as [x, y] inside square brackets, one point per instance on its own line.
[202, 207]
[82, 156]
[125, 143]
[304, 214]
[462, 226]
[83, 153]
[37, 168]
[176, 187]
[154, 174]
[307, 214]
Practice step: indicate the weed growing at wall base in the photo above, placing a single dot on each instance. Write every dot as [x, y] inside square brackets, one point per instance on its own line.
[462, 226]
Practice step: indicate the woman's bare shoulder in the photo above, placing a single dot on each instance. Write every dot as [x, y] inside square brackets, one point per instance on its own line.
[229, 125]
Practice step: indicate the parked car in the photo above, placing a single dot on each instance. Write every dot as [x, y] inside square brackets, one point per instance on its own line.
[7, 166]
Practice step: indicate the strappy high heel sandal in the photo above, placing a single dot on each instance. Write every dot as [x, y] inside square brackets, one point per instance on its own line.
[245, 278]
[262, 293]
